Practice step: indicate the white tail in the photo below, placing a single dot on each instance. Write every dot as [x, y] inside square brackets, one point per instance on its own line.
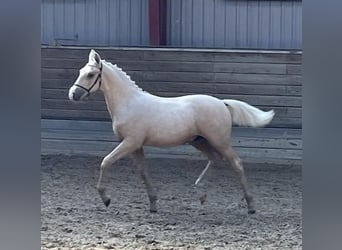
[244, 114]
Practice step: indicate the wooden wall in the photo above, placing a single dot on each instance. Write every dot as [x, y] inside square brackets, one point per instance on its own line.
[266, 79]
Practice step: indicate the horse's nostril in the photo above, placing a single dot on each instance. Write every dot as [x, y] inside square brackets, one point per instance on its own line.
[75, 96]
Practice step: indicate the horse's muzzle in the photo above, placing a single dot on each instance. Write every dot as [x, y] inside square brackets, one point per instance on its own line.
[76, 93]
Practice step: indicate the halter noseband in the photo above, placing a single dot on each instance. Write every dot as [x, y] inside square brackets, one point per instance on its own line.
[92, 86]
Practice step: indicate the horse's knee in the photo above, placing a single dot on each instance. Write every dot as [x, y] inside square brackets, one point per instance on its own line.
[105, 163]
[238, 164]
[238, 167]
[101, 189]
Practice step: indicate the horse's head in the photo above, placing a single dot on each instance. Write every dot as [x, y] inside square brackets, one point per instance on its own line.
[89, 79]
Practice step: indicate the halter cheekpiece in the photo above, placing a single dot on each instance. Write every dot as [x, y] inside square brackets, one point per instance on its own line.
[92, 86]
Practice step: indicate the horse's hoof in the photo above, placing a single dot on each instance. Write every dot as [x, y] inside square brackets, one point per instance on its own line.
[106, 202]
[203, 199]
[251, 211]
[153, 210]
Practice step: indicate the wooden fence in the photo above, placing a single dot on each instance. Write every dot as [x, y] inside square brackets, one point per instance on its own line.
[266, 79]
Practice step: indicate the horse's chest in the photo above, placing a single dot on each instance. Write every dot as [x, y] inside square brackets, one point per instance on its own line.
[118, 130]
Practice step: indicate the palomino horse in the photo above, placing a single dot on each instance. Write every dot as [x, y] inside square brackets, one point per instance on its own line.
[140, 118]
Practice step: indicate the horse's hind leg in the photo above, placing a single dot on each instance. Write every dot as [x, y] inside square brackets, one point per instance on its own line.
[124, 148]
[203, 145]
[138, 157]
[236, 163]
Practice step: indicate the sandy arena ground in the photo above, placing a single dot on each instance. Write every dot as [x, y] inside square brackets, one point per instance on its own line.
[74, 217]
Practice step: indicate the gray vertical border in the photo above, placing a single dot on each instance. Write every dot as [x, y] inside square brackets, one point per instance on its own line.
[322, 125]
[20, 125]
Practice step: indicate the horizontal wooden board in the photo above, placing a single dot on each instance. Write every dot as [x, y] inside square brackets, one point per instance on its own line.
[198, 87]
[277, 122]
[221, 88]
[75, 125]
[71, 147]
[275, 133]
[222, 56]
[166, 155]
[256, 100]
[83, 53]
[267, 101]
[270, 101]
[219, 77]
[69, 105]
[174, 55]
[75, 114]
[176, 66]
[95, 105]
[146, 76]
[63, 63]
[285, 133]
[293, 69]
[82, 135]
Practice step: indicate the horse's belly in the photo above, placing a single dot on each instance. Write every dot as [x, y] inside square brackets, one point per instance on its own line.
[170, 136]
[167, 142]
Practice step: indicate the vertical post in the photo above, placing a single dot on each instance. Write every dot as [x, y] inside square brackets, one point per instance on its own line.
[157, 22]
[162, 21]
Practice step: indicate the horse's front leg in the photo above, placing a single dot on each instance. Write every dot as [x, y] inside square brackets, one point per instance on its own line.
[124, 148]
[138, 157]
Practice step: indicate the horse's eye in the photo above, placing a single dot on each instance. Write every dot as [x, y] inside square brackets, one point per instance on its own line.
[90, 75]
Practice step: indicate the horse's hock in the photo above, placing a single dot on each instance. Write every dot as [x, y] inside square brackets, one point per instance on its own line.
[266, 79]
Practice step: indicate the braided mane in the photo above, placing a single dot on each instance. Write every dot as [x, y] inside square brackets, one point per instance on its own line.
[123, 73]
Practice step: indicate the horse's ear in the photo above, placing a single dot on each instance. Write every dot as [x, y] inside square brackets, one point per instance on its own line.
[94, 57]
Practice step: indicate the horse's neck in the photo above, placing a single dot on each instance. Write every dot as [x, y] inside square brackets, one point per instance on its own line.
[117, 89]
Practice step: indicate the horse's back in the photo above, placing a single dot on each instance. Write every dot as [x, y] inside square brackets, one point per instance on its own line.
[199, 109]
